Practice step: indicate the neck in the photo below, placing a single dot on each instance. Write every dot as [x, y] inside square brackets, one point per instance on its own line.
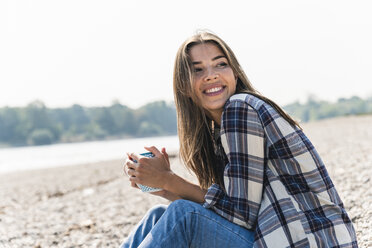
[216, 117]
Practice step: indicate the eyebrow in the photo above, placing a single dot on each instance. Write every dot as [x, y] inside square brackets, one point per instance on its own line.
[215, 58]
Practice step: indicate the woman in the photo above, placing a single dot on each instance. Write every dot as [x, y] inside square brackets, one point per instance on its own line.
[261, 181]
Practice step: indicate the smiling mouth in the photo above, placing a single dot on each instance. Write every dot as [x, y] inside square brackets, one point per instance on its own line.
[214, 91]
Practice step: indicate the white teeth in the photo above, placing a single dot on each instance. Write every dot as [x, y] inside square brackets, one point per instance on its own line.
[213, 90]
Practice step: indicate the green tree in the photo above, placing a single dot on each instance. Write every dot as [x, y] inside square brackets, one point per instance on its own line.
[9, 126]
[123, 119]
[105, 120]
[160, 114]
[147, 129]
[41, 137]
[37, 117]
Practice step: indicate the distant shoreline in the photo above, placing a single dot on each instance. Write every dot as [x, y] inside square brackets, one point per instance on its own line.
[35, 157]
[5, 145]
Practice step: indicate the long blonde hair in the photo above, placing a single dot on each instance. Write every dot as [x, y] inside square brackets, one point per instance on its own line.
[196, 146]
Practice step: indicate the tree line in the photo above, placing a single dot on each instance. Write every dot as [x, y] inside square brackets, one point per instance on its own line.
[315, 109]
[36, 124]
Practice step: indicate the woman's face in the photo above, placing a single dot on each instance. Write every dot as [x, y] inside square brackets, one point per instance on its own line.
[214, 80]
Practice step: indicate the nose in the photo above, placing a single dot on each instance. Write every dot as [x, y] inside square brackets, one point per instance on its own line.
[211, 75]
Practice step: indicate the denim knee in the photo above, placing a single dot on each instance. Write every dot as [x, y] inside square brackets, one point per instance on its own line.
[183, 207]
[157, 211]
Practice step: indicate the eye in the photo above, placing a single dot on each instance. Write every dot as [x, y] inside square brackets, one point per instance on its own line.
[222, 64]
[196, 70]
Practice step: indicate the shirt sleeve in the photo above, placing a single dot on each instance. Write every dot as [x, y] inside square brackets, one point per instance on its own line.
[242, 137]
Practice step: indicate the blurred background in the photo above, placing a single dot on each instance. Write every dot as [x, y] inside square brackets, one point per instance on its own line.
[90, 79]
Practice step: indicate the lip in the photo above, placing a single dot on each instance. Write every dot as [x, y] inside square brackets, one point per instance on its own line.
[211, 86]
[214, 93]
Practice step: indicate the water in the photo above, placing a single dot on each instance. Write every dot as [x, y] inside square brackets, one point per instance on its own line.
[36, 157]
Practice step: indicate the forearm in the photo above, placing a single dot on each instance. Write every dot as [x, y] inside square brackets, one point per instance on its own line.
[184, 189]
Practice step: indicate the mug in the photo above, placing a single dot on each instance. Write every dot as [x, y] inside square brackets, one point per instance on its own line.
[145, 188]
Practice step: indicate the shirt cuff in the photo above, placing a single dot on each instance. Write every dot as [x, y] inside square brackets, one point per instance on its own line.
[214, 193]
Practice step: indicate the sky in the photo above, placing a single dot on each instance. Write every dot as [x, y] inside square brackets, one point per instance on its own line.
[91, 52]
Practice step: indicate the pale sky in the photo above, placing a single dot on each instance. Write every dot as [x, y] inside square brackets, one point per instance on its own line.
[92, 52]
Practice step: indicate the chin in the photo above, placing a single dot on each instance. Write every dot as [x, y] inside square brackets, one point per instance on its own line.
[215, 107]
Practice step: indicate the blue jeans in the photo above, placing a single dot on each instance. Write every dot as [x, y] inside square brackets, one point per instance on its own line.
[187, 224]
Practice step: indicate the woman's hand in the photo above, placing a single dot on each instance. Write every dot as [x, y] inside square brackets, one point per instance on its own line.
[155, 172]
[149, 171]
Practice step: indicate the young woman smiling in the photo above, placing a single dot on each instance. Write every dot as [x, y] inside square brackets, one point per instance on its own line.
[261, 181]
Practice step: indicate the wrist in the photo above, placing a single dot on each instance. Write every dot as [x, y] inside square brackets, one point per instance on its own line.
[171, 196]
[168, 179]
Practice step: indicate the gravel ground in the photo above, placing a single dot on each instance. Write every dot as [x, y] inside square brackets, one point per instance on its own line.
[92, 205]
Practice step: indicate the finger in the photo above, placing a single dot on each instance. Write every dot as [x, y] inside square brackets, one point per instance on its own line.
[128, 156]
[165, 153]
[131, 165]
[133, 179]
[154, 150]
[131, 172]
[125, 165]
[134, 156]
[125, 169]
[134, 185]
[127, 159]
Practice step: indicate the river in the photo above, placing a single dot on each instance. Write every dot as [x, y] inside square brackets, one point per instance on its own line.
[36, 157]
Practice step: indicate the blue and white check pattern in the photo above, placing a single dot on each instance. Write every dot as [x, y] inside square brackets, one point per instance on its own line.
[275, 182]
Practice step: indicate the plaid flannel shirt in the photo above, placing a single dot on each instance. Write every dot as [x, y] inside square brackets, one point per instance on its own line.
[275, 182]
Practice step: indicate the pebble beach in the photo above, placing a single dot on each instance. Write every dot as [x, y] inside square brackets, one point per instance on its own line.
[93, 205]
